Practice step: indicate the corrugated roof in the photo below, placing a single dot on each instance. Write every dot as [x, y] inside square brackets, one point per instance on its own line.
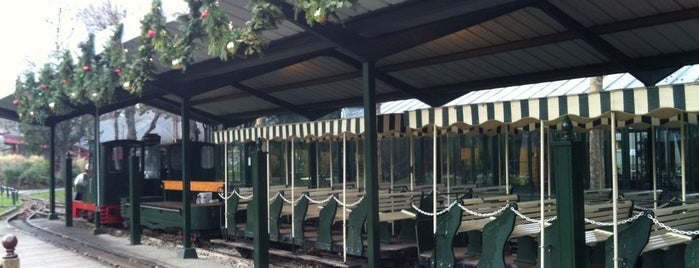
[433, 51]
[686, 74]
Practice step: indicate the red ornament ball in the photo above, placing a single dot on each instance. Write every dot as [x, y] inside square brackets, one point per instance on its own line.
[86, 68]
[117, 71]
[15, 102]
[205, 14]
[151, 33]
[44, 86]
[65, 81]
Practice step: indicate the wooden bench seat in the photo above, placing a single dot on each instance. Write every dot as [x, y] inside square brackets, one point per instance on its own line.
[685, 218]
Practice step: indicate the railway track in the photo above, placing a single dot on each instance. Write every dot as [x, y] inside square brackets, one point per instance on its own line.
[34, 208]
[37, 208]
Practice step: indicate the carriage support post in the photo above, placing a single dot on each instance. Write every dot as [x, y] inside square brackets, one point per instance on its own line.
[67, 175]
[135, 200]
[259, 178]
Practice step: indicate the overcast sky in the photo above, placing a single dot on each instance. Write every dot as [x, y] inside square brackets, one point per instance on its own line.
[28, 37]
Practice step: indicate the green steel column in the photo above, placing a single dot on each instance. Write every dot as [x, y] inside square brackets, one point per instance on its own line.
[52, 175]
[569, 197]
[68, 175]
[370, 163]
[259, 188]
[187, 252]
[135, 200]
[98, 175]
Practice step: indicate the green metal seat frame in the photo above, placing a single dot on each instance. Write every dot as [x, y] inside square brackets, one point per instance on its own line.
[631, 242]
[552, 243]
[275, 211]
[355, 223]
[232, 203]
[447, 225]
[495, 236]
[326, 218]
[691, 254]
[300, 211]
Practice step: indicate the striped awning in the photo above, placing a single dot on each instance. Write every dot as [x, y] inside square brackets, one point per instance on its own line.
[387, 124]
[638, 107]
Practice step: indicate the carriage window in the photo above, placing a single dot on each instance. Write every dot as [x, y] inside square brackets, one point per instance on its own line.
[207, 157]
[117, 154]
[152, 163]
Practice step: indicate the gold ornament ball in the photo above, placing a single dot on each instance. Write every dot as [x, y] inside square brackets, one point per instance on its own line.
[318, 15]
[126, 86]
[177, 63]
[230, 47]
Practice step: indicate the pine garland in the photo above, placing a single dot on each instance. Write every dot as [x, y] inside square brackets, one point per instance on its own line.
[153, 38]
[93, 79]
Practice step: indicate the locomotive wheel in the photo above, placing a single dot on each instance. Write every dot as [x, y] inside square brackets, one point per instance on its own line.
[89, 216]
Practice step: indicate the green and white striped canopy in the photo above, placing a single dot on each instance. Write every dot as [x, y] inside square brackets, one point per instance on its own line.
[638, 108]
[388, 124]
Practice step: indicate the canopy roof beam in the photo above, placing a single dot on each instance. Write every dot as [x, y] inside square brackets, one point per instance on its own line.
[276, 101]
[599, 44]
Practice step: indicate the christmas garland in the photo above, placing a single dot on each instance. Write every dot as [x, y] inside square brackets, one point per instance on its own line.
[93, 79]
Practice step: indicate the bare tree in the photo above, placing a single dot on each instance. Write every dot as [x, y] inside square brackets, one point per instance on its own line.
[99, 16]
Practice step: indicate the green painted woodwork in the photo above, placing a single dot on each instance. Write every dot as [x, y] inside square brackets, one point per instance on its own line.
[631, 241]
[567, 156]
[495, 236]
[653, 259]
[275, 211]
[251, 218]
[674, 256]
[232, 214]
[208, 216]
[259, 205]
[552, 244]
[67, 175]
[326, 218]
[527, 251]
[300, 210]
[134, 188]
[447, 225]
[475, 242]
[423, 225]
[355, 223]
[691, 255]
[52, 175]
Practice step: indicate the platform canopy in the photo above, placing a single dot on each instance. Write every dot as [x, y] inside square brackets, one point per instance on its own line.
[433, 51]
[637, 108]
[388, 124]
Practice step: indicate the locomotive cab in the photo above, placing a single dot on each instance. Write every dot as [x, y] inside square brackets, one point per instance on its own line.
[113, 180]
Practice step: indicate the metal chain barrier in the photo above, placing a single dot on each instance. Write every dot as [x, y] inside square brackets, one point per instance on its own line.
[662, 225]
[319, 202]
[348, 205]
[484, 215]
[628, 220]
[226, 197]
[432, 214]
[289, 201]
[530, 219]
[242, 197]
[275, 196]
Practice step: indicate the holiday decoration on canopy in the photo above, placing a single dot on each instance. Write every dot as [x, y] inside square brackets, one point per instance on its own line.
[153, 36]
[113, 58]
[93, 80]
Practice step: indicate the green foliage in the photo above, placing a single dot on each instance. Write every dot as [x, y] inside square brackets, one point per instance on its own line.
[93, 79]
[153, 38]
[19, 171]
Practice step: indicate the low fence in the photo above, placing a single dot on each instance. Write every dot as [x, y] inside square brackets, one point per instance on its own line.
[9, 192]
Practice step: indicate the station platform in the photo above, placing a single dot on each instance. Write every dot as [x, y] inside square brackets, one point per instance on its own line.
[35, 252]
